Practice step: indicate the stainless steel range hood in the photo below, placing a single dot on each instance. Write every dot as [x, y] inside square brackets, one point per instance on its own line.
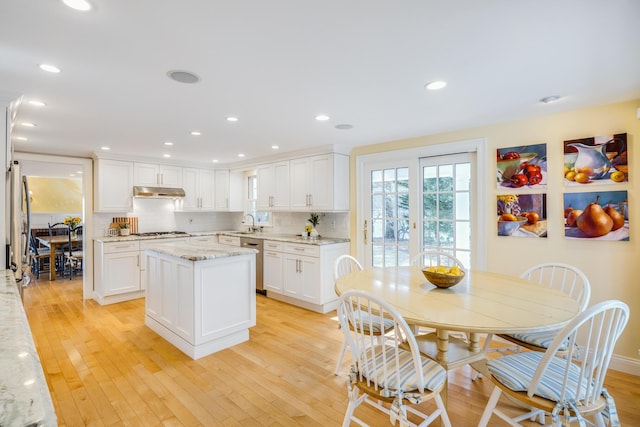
[158, 192]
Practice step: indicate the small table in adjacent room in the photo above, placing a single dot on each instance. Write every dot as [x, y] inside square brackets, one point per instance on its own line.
[54, 243]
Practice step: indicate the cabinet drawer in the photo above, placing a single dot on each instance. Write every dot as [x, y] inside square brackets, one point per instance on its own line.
[271, 245]
[121, 247]
[229, 240]
[302, 249]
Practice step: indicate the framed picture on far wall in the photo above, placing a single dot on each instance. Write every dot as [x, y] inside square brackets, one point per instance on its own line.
[602, 215]
[599, 160]
[522, 215]
[522, 166]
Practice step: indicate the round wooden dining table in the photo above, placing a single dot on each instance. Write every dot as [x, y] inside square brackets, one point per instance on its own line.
[483, 302]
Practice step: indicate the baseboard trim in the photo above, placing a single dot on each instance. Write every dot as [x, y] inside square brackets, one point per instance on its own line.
[625, 364]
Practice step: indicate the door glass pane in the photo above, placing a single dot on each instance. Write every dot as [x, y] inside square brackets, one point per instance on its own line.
[446, 204]
[390, 216]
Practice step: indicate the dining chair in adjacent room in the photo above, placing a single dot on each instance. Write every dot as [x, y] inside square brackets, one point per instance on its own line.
[39, 256]
[344, 265]
[74, 253]
[59, 229]
[562, 277]
[568, 387]
[389, 374]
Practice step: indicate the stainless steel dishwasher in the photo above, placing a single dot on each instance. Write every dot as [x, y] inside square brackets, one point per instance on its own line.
[249, 242]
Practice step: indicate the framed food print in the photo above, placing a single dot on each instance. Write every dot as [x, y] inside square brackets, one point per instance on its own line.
[522, 167]
[522, 215]
[598, 160]
[602, 215]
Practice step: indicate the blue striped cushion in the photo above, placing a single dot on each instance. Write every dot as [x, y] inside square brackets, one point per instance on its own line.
[539, 339]
[516, 372]
[434, 374]
[363, 316]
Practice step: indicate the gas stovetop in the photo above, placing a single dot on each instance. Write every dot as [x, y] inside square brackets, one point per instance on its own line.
[161, 233]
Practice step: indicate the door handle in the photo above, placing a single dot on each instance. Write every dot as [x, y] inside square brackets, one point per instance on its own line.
[364, 232]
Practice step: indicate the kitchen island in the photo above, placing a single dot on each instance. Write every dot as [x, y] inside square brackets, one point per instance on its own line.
[201, 297]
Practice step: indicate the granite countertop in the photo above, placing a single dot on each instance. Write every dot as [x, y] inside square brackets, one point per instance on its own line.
[24, 395]
[198, 251]
[290, 238]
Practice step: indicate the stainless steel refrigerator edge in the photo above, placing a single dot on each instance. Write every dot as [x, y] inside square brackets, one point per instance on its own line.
[20, 226]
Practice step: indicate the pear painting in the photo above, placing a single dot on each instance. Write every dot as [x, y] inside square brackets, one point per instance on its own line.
[596, 215]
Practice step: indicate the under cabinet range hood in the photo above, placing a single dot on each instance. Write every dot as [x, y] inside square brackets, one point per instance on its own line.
[158, 192]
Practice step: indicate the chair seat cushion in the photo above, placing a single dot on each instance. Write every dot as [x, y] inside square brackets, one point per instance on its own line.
[434, 374]
[370, 323]
[516, 372]
[539, 339]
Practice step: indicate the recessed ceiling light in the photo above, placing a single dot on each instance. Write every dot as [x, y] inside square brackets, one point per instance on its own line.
[37, 103]
[183, 76]
[215, 160]
[169, 143]
[275, 147]
[29, 125]
[166, 155]
[72, 174]
[79, 172]
[50, 68]
[81, 5]
[550, 99]
[232, 119]
[241, 155]
[105, 148]
[322, 118]
[21, 138]
[196, 133]
[344, 126]
[435, 85]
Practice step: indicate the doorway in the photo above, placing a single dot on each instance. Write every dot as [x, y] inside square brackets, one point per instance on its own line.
[48, 166]
[399, 213]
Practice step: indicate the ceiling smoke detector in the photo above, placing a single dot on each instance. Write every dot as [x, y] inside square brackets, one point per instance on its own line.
[183, 76]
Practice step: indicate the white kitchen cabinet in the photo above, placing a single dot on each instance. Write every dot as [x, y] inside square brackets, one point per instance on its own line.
[117, 271]
[229, 240]
[213, 239]
[319, 183]
[273, 186]
[305, 277]
[228, 190]
[113, 186]
[272, 267]
[199, 189]
[152, 175]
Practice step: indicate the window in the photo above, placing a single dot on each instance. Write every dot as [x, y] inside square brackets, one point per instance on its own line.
[262, 218]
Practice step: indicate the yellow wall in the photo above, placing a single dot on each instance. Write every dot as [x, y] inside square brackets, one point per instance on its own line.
[613, 268]
[53, 195]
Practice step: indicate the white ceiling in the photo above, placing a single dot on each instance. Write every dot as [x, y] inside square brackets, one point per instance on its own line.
[277, 64]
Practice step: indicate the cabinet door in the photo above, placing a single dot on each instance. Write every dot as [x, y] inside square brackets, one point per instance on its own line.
[190, 185]
[170, 176]
[113, 186]
[221, 182]
[264, 176]
[145, 174]
[299, 184]
[206, 189]
[121, 272]
[320, 170]
[301, 277]
[272, 269]
[280, 189]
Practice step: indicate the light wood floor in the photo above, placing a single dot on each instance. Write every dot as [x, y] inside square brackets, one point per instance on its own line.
[105, 368]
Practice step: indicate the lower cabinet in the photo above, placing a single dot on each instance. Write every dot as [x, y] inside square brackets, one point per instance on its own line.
[302, 274]
[117, 271]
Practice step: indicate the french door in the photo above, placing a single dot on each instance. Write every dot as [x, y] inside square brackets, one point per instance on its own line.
[415, 204]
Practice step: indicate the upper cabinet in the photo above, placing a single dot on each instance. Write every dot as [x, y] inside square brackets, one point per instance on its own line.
[228, 190]
[319, 183]
[198, 186]
[153, 175]
[273, 187]
[113, 185]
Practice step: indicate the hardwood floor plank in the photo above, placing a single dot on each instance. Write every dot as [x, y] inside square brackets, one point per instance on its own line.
[105, 367]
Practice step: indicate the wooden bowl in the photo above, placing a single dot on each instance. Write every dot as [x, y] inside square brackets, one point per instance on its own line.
[442, 280]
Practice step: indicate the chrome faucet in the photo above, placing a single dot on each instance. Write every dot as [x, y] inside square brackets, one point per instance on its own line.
[253, 222]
